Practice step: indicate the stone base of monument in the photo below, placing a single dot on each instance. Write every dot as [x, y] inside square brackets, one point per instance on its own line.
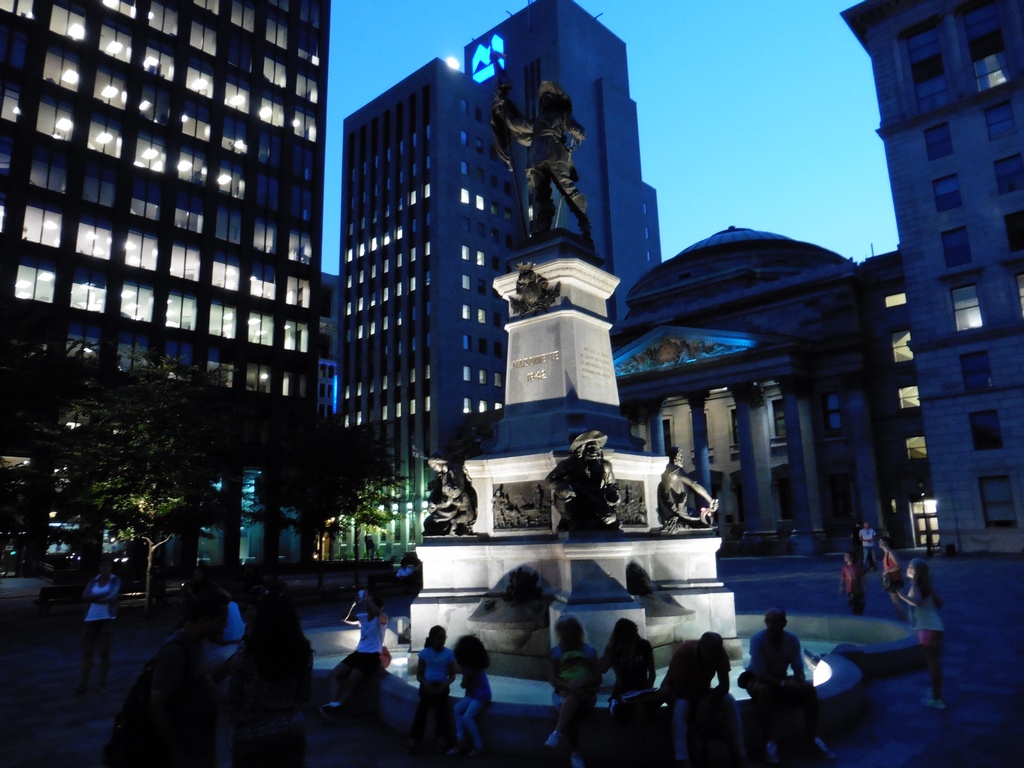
[471, 586]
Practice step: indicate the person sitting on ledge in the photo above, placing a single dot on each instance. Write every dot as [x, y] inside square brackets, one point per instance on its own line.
[773, 650]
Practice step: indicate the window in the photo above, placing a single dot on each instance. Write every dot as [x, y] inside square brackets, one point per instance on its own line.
[146, 198]
[294, 385]
[181, 312]
[296, 336]
[156, 104]
[229, 224]
[999, 120]
[159, 60]
[225, 272]
[188, 212]
[13, 47]
[938, 142]
[49, 170]
[199, 77]
[985, 432]
[300, 248]
[895, 300]
[55, 119]
[901, 351]
[481, 316]
[966, 308]
[976, 370]
[466, 312]
[192, 165]
[150, 153]
[997, 502]
[265, 236]
[234, 135]
[243, 14]
[298, 292]
[95, 237]
[163, 18]
[42, 225]
[840, 490]
[231, 180]
[261, 284]
[89, 290]
[275, 72]
[204, 38]
[916, 447]
[909, 397]
[116, 41]
[956, 247]
[1015, 230]
[35, 281]
[185, 261]
[127, 8]
[140, 250]
[99, 185]
[222, 320]
[947, 193]
[257, 378]
[985, 41]
[277, 30]
[68, 21]
[6, 151]
[236, 93]
[105, 136]
[109, 87]
[9, 109]
[195, 120]
[137, 302]
[1020, 291]
[261, 329]
[309, 48]
[272, 109]
[926, 69]
[131, 350]
[1009, 174]
[304, 124]
[61, 67]
[83, 341]
[306, 87]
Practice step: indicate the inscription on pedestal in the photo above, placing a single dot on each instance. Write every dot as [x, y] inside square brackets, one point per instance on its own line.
[596, 365]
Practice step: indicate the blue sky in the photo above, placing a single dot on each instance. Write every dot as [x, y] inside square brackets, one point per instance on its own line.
[753, 113]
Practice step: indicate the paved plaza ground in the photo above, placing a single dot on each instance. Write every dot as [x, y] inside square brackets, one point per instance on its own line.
[43, 726]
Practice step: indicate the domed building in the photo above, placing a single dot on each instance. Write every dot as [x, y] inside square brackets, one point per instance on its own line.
[784, 372]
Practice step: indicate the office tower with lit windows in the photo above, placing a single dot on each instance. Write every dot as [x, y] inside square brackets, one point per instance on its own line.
[430, 217]
[950, 82]
[160, 191]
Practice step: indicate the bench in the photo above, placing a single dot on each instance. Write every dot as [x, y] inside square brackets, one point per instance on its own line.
[70, 594]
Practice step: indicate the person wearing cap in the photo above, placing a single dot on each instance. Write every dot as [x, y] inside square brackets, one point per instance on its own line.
[583, 486]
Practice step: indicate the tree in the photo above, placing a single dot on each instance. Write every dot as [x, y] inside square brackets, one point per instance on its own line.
[337, 476]
[145, 458]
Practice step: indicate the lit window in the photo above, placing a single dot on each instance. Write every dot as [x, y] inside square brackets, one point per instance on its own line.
[110, 88]
[203, 38]
[185, 261]
[89, 290]
[192, 165]
[257, 378]
[901, 351]
[275, 72]
[243, 14]
[297, 292]
[150, 153]
[277, 30]
[225, 272]
[272, 109]
[479, 202]
[265, 236]
[188, 212]
[481, 315]
[296, 336]
[83, 342]
[236, 94]
[42, 226]
[163, 18]
[916, 447]
[261, 329]
[966, 307]
[159, 60]
[116, 41]
[146, 198]
[69, 21]
[95, 237]
[222, 320]
[155, 105]
[985, 41]
[105, 136]
[909, 397]
[895, 299]
[262, 284]
[61, 68]
[137, 302]
[464, 195]
[181, 312]
[467, 405]
[141, 250]
[1020, 291]
[55, 119]
[231, 180]
[199, 77]
[306, 87]
[35, 281]
[195, 120]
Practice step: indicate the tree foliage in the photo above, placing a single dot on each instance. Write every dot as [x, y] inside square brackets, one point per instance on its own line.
[147, 456]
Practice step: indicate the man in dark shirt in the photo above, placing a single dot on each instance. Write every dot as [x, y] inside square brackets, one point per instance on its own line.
[183, 699]
[693, 666]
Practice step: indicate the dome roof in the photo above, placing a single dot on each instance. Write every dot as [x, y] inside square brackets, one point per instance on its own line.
[733, 235]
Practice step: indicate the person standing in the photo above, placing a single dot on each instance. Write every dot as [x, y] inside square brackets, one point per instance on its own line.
[892, 575]
[183, 699]
[687, 684]
[101, 596]
[435, 673]
[773, 652]
[867, 542]
[271, 674]
[851, 583]
[924, 603]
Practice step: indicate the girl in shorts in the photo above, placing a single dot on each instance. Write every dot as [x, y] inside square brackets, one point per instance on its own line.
[345, 678]
[472, 657]
[101, 596]
[924, 603]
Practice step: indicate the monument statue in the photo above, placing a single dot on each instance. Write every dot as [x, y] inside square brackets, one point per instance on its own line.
[551, 136]
[534, 294]
[583, 487]
[673, 493]
[452, 501]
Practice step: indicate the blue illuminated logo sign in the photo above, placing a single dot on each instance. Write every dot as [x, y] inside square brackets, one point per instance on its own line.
[482, 65]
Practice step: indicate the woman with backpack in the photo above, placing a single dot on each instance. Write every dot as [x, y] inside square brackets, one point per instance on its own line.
[574, 674]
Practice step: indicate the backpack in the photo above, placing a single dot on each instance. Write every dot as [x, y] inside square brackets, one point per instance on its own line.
[135, 741]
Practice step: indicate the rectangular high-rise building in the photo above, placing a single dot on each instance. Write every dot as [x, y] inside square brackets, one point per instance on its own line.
[951, 98]
[161, 192]
[430, 216]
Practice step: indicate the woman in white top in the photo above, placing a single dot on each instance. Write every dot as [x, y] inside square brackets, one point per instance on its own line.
[101, 596]
[345, 678]
[924, 603]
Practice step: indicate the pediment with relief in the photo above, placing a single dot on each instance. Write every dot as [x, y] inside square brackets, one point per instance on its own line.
[668, 347]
